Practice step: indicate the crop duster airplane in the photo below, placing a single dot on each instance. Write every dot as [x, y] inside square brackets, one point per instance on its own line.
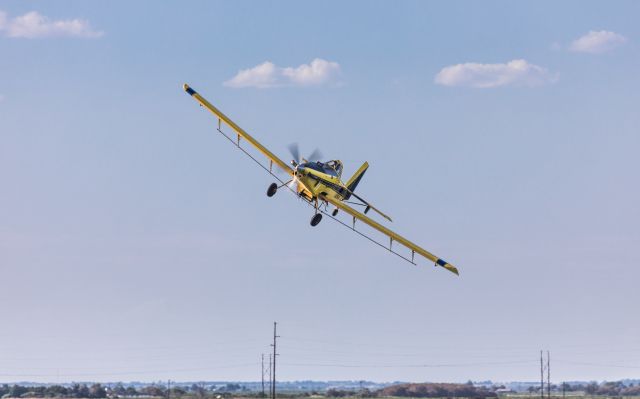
[320, 184]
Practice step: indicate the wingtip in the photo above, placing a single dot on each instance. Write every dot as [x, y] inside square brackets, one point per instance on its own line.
[448, 266]
[188, 89]
[452, 269]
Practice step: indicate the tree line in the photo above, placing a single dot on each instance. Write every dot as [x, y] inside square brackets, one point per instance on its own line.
[202, 391]
[53, 391]
[119, 390]
[612, 388]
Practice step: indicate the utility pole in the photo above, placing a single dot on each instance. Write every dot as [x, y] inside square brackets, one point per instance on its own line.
[564, 386]
[168, 389]
[548, 375]
[541, 377]
[270, 391]
[262, 395]
[273, 369]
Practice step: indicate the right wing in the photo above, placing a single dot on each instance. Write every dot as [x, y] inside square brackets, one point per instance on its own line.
[394, 236]
[239, 131]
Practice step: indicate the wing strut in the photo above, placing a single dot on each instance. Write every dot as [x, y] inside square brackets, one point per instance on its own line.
[392, 235]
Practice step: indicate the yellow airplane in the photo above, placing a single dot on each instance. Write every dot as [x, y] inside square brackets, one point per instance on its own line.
[320, 184]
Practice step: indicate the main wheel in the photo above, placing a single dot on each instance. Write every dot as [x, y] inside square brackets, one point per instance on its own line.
[335, 212]
[316, 219]
[271, 191]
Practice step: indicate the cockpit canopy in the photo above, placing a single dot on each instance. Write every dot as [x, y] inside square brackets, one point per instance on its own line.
[333, 168]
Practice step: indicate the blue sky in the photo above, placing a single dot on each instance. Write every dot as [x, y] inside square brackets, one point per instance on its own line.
[135, 243]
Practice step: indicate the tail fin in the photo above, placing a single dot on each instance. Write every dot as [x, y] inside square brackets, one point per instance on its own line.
[355, 179]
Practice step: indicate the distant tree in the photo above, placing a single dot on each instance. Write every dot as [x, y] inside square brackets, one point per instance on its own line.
[97, 391]
[365, 393]
[578, 387]
[201, 391]
[119, 390]
[631, 390]
[591, 388]
[36, 392]
[177, 391]
[83, 392]
[57, 391]
[611, 388]
[16, 391]
[153, 390]
[437, 390]
[339, 393]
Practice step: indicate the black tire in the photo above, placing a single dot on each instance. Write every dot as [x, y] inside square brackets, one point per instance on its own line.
[335, 212]
[316, 219]
[271, 191]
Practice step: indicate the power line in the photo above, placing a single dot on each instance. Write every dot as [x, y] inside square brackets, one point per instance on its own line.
[598, 364]
[443, 365]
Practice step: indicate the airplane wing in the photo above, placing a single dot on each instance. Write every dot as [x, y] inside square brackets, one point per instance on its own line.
[239, 131]
[395, 237]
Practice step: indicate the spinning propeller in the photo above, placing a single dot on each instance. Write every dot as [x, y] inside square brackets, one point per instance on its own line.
[294, 150]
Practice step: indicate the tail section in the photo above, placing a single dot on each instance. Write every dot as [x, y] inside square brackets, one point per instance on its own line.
[355, 179]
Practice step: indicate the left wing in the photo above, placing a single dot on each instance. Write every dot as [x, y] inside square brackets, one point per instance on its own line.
[395, 237]
[239, 131]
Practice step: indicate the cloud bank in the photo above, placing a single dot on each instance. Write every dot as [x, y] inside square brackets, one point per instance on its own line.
[484, 76]
[268, 75]
[33, 25]
[597, 42]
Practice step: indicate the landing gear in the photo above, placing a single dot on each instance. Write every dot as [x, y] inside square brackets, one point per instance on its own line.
[271, 191]
[335, 212]
[316, 219]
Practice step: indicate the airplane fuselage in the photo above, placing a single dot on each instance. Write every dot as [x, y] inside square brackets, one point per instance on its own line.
[312, 183]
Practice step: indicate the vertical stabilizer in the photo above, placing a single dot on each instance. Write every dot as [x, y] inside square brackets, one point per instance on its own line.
[355, 179]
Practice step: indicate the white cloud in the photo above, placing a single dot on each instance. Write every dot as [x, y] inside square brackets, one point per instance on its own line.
[316, 73]
[597, 42]
[513, 73]
[262, 76]
[35, 25]
[268, 75]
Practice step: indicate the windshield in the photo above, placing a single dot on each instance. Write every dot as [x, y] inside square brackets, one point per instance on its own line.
[321, 167]
[335, 168]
